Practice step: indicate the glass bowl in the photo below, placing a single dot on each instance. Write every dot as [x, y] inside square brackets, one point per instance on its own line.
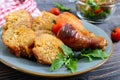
[95, 12]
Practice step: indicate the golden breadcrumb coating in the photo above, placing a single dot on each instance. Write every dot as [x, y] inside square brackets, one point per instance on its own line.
[44, 21]
[39, 32]
[19, 40]
[46, 48]
[17, 19]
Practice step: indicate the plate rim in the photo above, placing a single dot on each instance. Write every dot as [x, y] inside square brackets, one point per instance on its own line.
[62, 75]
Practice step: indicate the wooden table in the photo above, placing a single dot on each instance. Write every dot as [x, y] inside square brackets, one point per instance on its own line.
[109, 71]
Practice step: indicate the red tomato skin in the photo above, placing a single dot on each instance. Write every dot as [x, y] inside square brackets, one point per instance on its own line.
[117, 30]
[55, 11]
[98, 11]
[115, 35]
[56, 27]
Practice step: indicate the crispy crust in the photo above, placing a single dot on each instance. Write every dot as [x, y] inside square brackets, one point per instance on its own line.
[39, 32]
[43, 22]
[17, 19]
[19, 40]
[46, 48]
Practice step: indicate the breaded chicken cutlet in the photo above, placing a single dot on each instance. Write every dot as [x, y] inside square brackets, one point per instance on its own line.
[46, 48]
[39, 32]
[19, 40]
[44, 21]
[17, 19]
[37, 41]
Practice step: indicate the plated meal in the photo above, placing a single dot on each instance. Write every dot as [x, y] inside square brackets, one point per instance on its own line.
[52, 41]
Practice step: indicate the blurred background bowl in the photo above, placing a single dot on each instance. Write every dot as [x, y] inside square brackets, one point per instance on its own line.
[95, 12]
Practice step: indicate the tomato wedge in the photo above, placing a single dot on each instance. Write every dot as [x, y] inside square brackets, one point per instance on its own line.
[98, 11]
[56, 27]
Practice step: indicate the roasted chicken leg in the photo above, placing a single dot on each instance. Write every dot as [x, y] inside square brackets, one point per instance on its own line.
[74, 34]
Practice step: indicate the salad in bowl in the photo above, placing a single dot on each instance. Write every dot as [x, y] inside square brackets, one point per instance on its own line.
[95, 11]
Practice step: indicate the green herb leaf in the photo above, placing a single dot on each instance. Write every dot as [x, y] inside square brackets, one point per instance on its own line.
[91, 54]
[67, 60]
[91, 2]
[61, 7]
[71, 64]
[58, 63]
[100, 54]
[86, 55]
[67, 51]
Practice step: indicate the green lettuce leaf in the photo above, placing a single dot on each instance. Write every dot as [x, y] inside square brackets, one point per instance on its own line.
[58, 62]
[67, 51]
[61, 7]
[71, 64]
[91, 54]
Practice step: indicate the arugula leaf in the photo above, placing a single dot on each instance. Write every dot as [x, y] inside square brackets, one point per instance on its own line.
[71, 64]
[61, 7]
[99, 53]
[67, 60]
[91, 54]
[70, 61]
[67, 51]
[58, 63]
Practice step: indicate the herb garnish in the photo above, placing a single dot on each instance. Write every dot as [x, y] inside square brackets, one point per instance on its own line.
[70, 61]
[61, 7]
[66, 59]
[91, 54]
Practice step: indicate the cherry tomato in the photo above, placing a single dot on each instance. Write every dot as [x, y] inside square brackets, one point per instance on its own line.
[56, 27]
[98, 11]
[55, 11]
[115, 34]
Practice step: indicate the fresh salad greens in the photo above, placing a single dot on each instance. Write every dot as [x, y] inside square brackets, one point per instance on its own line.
[93, 54]
[95, 9]
[61, 7]
[69, 60]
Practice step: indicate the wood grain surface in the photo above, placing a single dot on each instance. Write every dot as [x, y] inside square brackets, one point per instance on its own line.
[109, 71]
